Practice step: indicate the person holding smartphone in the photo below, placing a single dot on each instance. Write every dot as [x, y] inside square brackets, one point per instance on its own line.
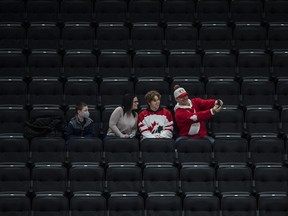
[191, 114]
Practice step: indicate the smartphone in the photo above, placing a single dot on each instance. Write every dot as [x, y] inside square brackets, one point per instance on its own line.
[218, 102]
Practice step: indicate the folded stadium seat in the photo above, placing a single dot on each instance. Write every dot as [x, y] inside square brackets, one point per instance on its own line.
[44, 64]
[250, 36]
[43, 36]
[262, 121]
[280, 64]
[17, 204]
[219, 64]
[197, 179]
[105, 117]
[112, 36]
[14, 149]
[76, 11]
[42, 11]
[47, 149]
[277, 36]
[184, 64]
[229, 122]
[12, 11]
[78, 36]
[163, 204]
[120, 204]
[47, 113]
[45, 91]
[86, 178]
[157, 151]
[258, 92]
[147, 36]
[12, 64]
[254, 64]
[230, 150]
[194, 151]
[15, 177]
[270, 178]
[181, 36]
[201, 203]
[77, 90]
[246, 10]
[143, 85]
[114, 63]
[123, 178]
[273, 204]
[284, 120]
[85, 150]
[110, 11]
[276, 11]
[49, 177]
[194, 87]
[160, 178]
[50, 204]
[144, 11]
[40, 111]
[13, 91]
[87, 203]
[210, 10]
[179, 11]
[12, 35]
[79, 64]
[119, 150]
[215, 35]
[267, 151]
[234, 179]
[239, 204]
[149, 64]
[12, 120]
[112, 91]
[228, 90]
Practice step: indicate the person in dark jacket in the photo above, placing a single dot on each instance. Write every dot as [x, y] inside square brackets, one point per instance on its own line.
[81, 125]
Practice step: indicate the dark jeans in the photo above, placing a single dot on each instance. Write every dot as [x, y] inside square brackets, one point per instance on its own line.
[211, 139]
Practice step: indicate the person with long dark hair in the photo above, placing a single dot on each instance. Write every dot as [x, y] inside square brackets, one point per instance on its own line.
[123, 120]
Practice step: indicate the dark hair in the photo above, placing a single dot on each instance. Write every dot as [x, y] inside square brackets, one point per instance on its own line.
[79, 106]
[127, 104]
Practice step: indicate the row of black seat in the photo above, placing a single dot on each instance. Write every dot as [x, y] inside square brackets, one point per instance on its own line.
[109, 92]
[144, 36]
[152, 205]
[150, 179]
[225, 150]
[143, 10]
[255, 121]
[149, 63]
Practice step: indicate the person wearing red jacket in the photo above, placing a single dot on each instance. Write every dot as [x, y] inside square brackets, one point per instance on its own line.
[155, 122]
[191, 114]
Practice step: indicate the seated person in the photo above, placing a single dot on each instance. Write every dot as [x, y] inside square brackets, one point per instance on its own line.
[123, 120]
[155, 122]
[81, 125]
[191, 114]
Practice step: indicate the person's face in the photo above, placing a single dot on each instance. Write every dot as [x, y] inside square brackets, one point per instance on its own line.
[84, 112]
[135, 103]
[155, 103]
[183, 101]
